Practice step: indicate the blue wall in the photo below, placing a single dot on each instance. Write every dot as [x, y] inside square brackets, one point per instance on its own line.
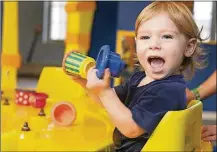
[128, 12]
[104, 27]
[111, 16]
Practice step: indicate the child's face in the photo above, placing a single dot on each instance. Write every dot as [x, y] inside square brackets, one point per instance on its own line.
[160, 47]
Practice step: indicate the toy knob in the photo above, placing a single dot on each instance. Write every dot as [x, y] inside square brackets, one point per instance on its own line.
[109, 59]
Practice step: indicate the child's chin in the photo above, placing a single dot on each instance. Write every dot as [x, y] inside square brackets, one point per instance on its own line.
[158, 76]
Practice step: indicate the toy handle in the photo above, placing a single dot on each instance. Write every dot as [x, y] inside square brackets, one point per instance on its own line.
[102, 66]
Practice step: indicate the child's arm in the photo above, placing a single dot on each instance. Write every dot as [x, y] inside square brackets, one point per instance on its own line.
[120, 115]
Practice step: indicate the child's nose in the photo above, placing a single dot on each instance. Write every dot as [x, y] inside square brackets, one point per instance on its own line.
[154, 44]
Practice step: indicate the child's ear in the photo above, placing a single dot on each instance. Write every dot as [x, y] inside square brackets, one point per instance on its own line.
[191, 46]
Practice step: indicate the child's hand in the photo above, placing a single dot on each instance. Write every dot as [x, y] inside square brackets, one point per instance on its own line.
[209, 133]
[95, 84]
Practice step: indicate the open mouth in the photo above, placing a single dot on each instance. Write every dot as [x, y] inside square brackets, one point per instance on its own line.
[156, 62]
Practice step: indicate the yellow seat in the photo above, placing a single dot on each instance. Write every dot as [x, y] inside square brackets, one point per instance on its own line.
[179, 131]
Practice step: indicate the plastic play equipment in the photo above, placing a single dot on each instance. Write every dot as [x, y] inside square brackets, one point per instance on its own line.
[80, 16]
[109, 59]
[10, 57]
[179, 131]
[77, 64]
[23, 96]
[30, 97]
[63, 113]
[91, 130]
[27, 128]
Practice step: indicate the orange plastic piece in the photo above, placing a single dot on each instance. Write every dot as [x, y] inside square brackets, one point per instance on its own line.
[82, 39]
[63, 114]
[13, 60]
[80, 6]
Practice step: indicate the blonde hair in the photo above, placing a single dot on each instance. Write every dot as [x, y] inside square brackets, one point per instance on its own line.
[182, 17]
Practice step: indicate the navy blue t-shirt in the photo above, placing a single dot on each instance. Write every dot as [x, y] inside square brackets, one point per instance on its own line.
[148, 104]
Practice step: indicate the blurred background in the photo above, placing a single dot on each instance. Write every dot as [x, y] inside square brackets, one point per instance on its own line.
[42, 32]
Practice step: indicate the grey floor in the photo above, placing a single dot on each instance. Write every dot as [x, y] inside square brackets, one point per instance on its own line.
[27, 83]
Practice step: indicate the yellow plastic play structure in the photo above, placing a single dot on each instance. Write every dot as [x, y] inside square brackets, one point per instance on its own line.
[80, 19]
[179, 131]
[91, 131]
[10, 57]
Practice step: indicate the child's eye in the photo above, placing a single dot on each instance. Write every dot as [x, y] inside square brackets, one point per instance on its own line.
[167, 36]
[144, 37]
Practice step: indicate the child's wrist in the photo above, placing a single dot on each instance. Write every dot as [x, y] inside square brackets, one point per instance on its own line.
[103, 92]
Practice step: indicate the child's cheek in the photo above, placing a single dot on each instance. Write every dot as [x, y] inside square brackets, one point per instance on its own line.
[141, 47]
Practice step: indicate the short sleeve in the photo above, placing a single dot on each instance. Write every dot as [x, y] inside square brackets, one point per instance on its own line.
[151, 108]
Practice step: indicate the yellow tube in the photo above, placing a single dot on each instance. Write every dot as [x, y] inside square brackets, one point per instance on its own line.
[10, 58]
[80, 18]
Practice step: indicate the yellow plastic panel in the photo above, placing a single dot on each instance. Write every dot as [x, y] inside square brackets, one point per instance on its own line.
[9, 49]
[94, 133]
[81, 23]
[9, 81]
[54, 82]
[180, 131]
[9, 141]
[91, 131]
[10, 27]
[76, 47]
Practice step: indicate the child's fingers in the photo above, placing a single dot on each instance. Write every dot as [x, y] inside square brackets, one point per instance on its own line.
[208, 133]
[74, 77]
[210, 138]
[91, 73]
[203, 129]
[93, 67]
[107, 76]
[204, 134]
[77, 78]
